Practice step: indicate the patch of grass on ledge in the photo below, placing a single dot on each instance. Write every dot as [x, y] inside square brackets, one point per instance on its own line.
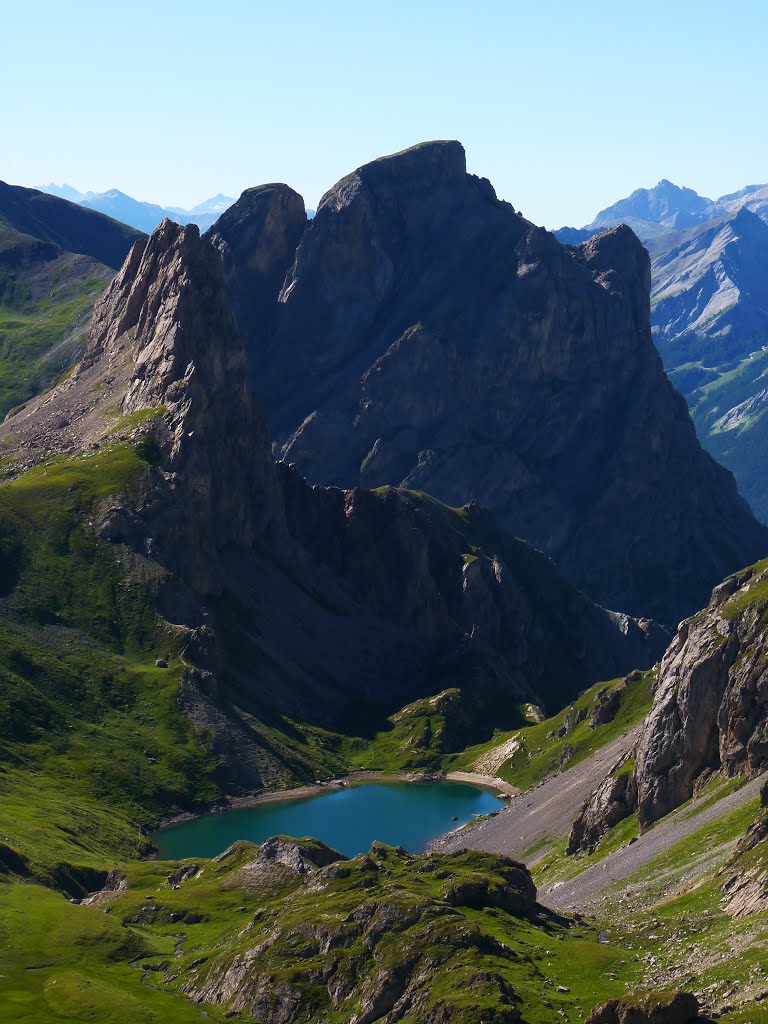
[752, 593]
[140, 418]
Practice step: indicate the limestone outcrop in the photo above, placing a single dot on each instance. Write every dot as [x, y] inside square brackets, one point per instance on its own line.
[709, 713]
[710, 710]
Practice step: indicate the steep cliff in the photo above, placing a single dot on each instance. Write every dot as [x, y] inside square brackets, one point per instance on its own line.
[710, 709]
[428, 336]
[709, 313]
[709, 713]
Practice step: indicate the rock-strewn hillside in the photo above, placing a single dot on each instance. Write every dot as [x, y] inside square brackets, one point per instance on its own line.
[428, 336]
[324, 605]
[370, 939]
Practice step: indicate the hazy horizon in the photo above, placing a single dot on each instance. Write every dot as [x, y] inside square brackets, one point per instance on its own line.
[564, 109]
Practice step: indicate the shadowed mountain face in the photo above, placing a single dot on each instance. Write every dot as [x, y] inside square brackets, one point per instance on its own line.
[316, 603]
[427, 336]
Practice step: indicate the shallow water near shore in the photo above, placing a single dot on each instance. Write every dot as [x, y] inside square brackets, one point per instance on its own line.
[349, 819]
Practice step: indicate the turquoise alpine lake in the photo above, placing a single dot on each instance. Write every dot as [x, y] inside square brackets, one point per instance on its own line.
[349, 819]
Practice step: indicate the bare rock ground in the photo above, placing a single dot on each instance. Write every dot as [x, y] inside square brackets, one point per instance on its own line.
[534, 820]
[544, 813]
[584, 890]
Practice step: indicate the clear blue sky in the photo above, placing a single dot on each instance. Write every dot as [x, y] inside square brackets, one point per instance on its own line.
[566, 105]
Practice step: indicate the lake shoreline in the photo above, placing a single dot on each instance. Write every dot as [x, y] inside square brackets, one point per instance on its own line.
[502, 789]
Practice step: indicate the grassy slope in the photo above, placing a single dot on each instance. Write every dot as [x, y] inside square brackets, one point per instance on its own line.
[45, 304]
[89, 731]
[92, 747]
[541, 954]
[672, 910]
[65, 962]
[543, 752]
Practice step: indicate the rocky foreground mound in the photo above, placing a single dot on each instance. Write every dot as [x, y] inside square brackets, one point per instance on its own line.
[371, 939]
[663, 1008]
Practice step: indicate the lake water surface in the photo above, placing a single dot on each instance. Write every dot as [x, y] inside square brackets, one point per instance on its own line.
[407, 814]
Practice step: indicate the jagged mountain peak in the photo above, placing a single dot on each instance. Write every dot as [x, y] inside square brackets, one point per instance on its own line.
[163, 338]
[110, 193]
[747, 218]
[380, 580]
[63, 191]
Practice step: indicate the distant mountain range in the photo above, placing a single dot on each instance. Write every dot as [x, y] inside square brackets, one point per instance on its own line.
[144, 216]
[709, 312]
[652, 212]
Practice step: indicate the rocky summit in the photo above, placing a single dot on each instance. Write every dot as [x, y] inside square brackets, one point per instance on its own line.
[423, 334]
